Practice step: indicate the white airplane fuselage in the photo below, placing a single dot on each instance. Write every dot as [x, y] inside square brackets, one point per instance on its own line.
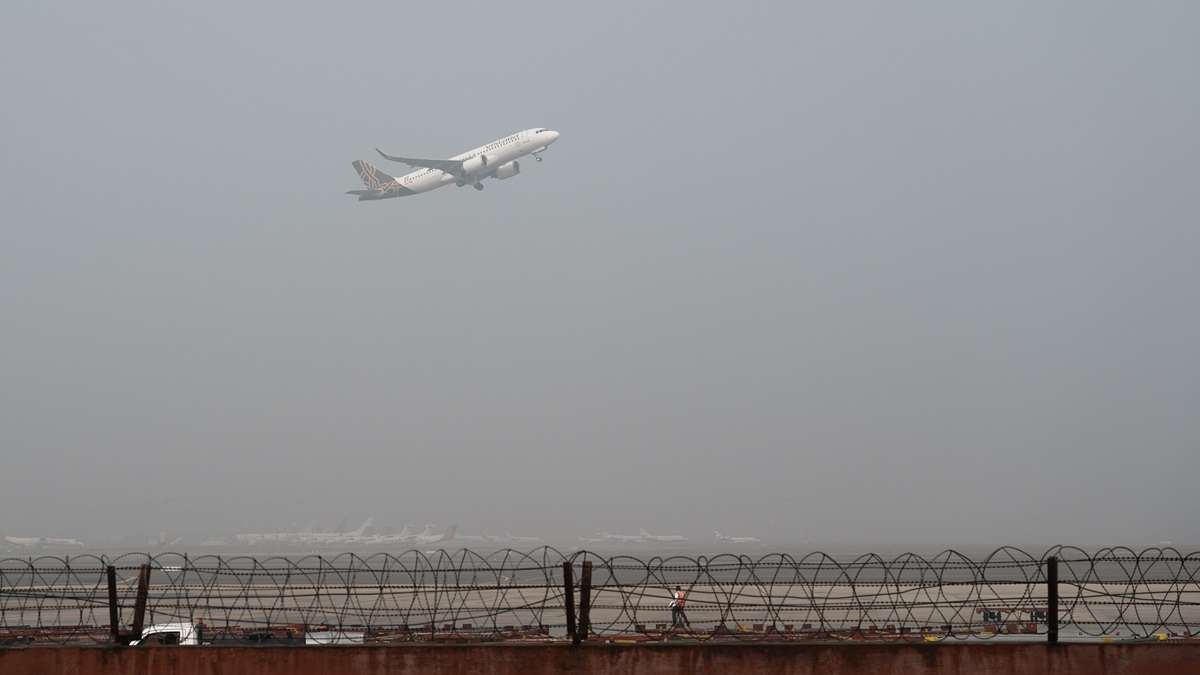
[622, 538]
[43, 541]
[663, 538]
[305, 537]
[736, 540]
[497, 159]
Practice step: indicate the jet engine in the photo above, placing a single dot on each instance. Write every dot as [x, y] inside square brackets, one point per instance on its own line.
[508, 170]
[478, 164]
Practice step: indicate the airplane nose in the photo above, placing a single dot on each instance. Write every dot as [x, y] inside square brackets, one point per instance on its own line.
[553, 136]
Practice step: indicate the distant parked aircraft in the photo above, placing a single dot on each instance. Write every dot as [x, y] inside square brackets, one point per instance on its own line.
[43, 541]
[497, 159]
[662, 538]
[401, 537]
[508, 536]
[736, 540]
[477, 538]
[427, 536]
[609, 538]
[337, 537]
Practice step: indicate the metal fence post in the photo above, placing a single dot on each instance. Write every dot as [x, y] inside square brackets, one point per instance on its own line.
[585, 600]
[569, 600]
[114, 613]
[1052, 600]
[139, 605]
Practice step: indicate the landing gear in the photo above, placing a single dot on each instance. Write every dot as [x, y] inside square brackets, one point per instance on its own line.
[538, 157]
[479, 186]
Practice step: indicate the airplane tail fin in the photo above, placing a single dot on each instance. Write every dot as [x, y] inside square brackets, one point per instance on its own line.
[362, 529]
[644, 533]
[371, 177]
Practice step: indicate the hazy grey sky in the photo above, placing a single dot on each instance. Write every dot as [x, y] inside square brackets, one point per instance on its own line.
[869, 272]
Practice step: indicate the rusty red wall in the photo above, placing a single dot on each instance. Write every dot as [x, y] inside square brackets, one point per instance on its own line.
[810, 659]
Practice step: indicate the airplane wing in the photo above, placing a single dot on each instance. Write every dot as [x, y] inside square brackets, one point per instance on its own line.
[450, 166]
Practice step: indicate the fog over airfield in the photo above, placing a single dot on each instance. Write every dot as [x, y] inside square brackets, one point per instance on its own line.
[871, 273]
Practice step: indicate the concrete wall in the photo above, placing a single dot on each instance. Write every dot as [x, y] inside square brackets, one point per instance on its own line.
[743, 659]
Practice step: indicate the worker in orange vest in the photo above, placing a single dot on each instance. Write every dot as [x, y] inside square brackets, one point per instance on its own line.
[678, 600]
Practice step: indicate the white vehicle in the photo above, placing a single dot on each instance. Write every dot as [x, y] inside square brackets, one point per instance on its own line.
[189, 634]
[497, 159]
[169, 634]
[663, 538]
[736, 540]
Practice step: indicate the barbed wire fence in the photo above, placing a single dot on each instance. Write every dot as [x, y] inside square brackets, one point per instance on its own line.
[549, 595]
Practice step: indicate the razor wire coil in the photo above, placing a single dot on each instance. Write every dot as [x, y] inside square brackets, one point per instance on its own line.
[510, 594]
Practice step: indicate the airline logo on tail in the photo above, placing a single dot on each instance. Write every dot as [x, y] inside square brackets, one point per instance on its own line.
[379, 184]
[372, 177]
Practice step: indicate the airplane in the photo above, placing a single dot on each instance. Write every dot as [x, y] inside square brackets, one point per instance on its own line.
[509, 536]
[163, 540]
[608, 537]
[736, 540]
[424, 534]
[404, 536]
[428, 537]
[43, 541]
[478, 538]
[339, 536]
[393, 538]
[497, 159]
[336, 537]
[662, 538]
